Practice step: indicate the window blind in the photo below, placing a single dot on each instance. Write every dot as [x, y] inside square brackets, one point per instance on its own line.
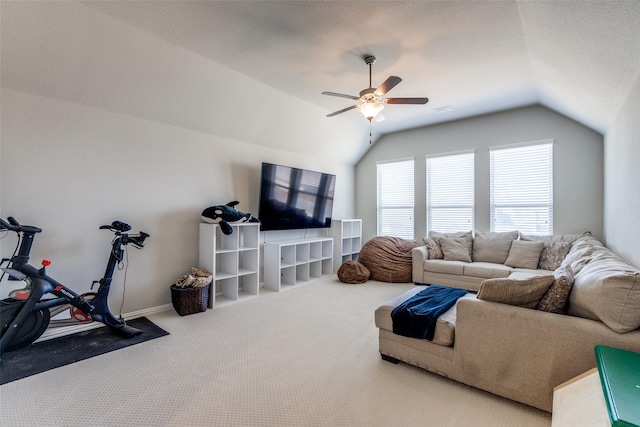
[395, 194]
[522, 188]
[450, 193]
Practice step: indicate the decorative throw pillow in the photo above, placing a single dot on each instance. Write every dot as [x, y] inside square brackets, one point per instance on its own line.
[467, 235]
[523, 293]
[524, 254]
[555, 300]
[455, 249]
[433, 248]
[553, 254]
[493, 246]
[556, 248]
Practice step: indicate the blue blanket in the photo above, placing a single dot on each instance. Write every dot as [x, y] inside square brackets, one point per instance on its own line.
[417, 316]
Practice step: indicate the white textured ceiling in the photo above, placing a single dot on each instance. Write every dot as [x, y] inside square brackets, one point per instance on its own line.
[576, 57]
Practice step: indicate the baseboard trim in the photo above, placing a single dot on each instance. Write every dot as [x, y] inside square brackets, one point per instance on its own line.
[81, 327]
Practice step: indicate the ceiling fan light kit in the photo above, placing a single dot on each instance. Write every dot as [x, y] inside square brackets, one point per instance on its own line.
[373, 98]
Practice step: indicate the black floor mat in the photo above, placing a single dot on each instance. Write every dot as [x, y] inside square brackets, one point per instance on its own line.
[50, 354]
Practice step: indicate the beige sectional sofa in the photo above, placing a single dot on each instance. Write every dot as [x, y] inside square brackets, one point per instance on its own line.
[523, 353]
[488, 254]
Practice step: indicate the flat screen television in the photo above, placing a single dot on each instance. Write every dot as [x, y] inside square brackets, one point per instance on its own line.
[293, 198]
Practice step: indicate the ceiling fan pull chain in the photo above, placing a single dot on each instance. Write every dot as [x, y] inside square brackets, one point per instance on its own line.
[370, 137]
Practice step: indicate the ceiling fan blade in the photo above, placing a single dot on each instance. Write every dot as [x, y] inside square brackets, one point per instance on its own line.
[406, 100]
[341, 95]
[388, 84]
[342, 111]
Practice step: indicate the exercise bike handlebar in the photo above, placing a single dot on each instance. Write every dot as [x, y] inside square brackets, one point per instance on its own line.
[14, 225]
[119, 228]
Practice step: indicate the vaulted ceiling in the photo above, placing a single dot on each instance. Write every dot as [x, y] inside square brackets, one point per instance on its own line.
[579, 58]
[576, 57]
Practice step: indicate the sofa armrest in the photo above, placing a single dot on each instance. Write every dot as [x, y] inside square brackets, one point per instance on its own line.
[419, 255]
[522, 353]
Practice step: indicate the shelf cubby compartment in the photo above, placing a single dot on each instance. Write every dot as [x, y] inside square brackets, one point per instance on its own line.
[226, 290]
[226, 264]
[302, 272]
[247, 261]
[248, 236]
[248, 285]
[224, 242]
[302, 253]
[288, 276]
[288, 256]
[315, 251]
[327, 249]
[315, 269]
[327, 267]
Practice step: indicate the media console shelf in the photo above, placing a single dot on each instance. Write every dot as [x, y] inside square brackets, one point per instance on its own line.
[291, 262]
[233, 259]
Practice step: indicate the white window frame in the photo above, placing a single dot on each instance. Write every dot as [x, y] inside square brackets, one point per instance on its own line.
[450, 188]
[522, 187]
[398, 198]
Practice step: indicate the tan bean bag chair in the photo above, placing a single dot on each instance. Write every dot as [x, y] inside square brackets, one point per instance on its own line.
[388, 259]
[353, 272]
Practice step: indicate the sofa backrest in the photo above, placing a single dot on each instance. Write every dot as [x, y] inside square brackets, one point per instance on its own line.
[605, 287]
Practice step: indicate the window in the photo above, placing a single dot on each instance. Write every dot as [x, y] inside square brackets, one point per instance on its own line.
[396, 198]
[450, 192]
[522, 188]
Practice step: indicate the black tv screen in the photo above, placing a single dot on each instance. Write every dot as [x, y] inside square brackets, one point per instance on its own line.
[293, 198]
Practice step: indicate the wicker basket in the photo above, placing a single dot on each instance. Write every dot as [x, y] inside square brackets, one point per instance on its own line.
[189, 300]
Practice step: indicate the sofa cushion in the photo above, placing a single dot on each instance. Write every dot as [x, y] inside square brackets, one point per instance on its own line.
[445, 326]
[555, 300]
[455, 249]
[581, 253]
[433, 248]
[523, 293]
[467, 235]
[446, 267]
[493, 246]
[487, 270]
[607, 289]
[524, 254]
[527, 273]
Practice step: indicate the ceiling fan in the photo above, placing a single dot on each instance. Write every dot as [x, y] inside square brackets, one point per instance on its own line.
[373, 98]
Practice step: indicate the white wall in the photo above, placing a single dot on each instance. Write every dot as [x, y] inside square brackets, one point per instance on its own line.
[101, 121]
[578, 165]
[67, 169]
[622, 180]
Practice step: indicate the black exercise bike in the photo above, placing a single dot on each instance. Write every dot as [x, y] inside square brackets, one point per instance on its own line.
[26, 314]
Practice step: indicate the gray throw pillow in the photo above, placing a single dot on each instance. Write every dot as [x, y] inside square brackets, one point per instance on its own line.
[524, 254]
[467, 235]
[493, 246]
[455, 249]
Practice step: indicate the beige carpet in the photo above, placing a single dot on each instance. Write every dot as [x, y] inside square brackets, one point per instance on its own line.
[306, 356]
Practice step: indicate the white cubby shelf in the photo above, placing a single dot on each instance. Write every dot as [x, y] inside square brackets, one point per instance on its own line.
[291, 262]
[347, 235]
[234, 261]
